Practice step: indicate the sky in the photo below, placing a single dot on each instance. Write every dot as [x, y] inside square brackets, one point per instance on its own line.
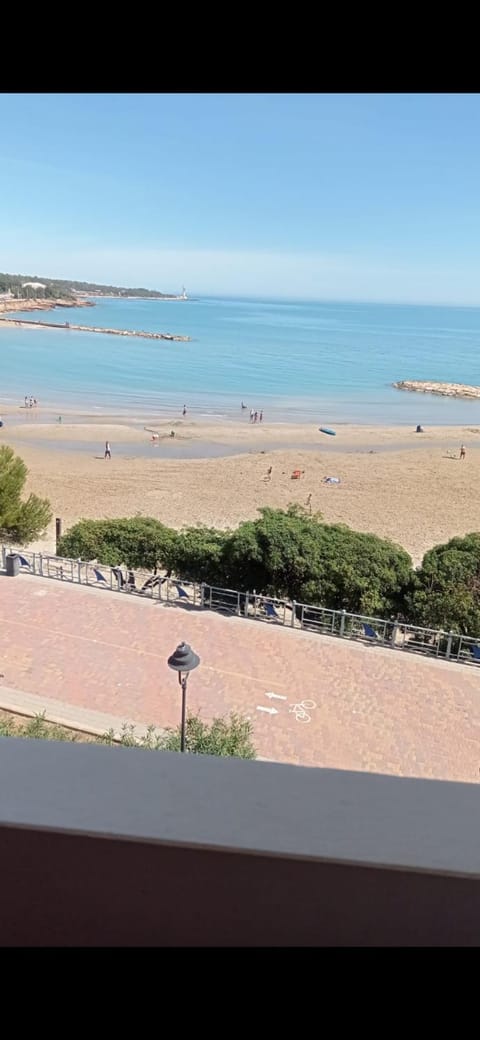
[371, 197]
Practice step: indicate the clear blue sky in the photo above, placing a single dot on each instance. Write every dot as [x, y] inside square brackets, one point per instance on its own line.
[355, 197]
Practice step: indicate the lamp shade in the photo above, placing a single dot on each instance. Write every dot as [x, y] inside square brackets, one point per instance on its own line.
[184, 659]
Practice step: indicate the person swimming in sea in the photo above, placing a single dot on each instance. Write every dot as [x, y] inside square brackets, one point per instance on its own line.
[243, 406]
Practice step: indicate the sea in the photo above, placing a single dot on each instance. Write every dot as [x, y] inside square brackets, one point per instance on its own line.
[297, 361]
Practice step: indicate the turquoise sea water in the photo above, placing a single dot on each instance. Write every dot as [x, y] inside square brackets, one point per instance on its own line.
[329, 362]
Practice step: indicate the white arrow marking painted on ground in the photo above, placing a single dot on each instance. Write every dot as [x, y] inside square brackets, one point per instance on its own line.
[277, 696]
[270, 711]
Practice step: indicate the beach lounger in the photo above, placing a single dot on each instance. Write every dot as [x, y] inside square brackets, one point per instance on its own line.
[152, 582]
[23, 561]
[99, 576]
[475, 650]
[271, 612]
[370, 632]
[181, 592]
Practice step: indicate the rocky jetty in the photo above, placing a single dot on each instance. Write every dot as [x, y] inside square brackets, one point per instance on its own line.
[26, 322]
[442, 389]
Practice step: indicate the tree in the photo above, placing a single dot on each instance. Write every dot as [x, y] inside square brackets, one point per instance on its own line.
[446, 591]
[21, 521]
[292, 555]
[137, 541]
[197, 554]
[286, 554]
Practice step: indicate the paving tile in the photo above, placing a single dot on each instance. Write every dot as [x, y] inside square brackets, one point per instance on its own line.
[375, 709]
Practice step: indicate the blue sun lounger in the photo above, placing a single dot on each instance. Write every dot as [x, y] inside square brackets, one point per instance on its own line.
[23, 561]
[181, 592]
[475, 650]
[271, 612]
[99, 576]
[370, 632]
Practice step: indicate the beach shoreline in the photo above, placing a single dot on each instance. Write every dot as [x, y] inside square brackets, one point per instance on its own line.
[411, 488]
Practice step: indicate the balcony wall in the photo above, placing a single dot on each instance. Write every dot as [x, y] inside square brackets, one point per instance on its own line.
[103, 846]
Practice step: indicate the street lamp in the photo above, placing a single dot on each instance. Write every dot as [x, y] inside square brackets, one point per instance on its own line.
[183, 661]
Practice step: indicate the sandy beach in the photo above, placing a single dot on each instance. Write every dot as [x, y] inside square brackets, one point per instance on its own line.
[400, 485]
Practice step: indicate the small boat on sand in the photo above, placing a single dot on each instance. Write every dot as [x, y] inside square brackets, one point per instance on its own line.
[326, 429]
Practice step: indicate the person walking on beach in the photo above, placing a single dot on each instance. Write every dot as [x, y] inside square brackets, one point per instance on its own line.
[260, 418]
[462, 451]
[108, 453]
[252, 413]
[184, 410]
[269, 472]
[255, 417]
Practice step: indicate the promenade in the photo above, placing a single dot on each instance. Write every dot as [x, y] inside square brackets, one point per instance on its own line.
[373, 709]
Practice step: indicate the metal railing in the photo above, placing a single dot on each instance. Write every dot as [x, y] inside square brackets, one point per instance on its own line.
[394, 634]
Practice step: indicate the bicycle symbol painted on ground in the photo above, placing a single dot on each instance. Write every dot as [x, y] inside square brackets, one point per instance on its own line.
[301, 710]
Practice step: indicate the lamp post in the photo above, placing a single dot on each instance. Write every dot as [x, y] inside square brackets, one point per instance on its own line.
[183, 661]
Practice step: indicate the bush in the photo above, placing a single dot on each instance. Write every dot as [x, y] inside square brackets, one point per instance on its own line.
[19, 521]
[137, 542]
[446, 591]
[225, 737]
[292, 555]
[284, 554]
[197, 554]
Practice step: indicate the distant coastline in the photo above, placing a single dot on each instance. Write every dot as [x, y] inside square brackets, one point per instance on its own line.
[12, 306]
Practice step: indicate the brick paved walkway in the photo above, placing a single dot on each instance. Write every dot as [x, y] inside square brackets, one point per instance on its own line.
[376, 709]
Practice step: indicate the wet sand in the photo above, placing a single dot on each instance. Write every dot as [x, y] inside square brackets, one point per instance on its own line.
[394, 483]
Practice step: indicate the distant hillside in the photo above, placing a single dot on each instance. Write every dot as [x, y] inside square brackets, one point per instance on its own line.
[57, 288]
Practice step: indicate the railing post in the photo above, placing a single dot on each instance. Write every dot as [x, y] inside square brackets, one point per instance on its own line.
[342, 622]
[294, 613]
[247, 603]
[40, 556]
[394, 634]
[4, 555]
[202, 595]
[79, 571]
[58, 532]
[449, 646]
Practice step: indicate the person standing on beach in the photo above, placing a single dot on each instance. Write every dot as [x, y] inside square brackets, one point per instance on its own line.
[184, 410]
[462, 451]
[255, 417]
[252, 413]
[260, 418]
[108, 453]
